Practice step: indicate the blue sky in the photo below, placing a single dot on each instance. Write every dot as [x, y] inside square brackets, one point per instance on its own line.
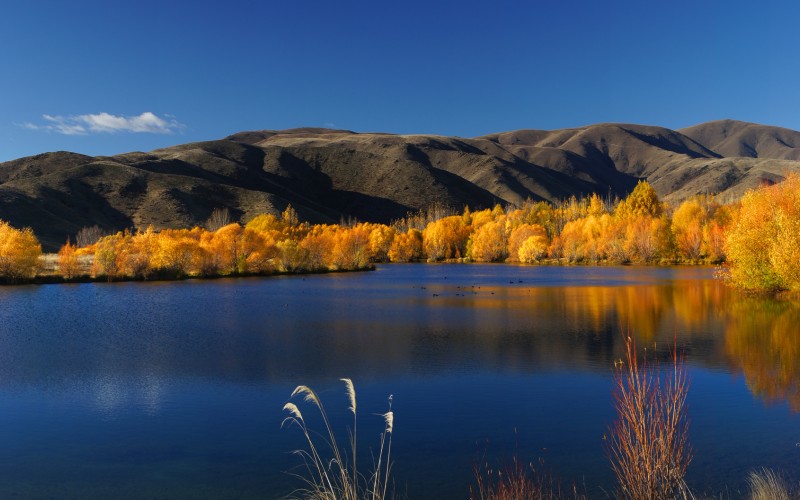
[100, 77]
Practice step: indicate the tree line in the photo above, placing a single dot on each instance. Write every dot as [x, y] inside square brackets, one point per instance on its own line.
[758, 237]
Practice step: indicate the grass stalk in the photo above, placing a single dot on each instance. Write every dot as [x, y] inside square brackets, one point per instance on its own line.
[332, 475]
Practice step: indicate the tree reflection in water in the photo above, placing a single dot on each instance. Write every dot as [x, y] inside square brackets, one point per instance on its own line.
[762, 338]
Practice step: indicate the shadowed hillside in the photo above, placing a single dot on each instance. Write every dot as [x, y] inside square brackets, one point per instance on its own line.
[328, 175]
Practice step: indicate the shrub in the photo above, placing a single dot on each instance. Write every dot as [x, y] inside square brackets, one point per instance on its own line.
[648, 444]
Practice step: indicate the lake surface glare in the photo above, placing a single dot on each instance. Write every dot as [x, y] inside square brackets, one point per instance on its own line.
[175, 389]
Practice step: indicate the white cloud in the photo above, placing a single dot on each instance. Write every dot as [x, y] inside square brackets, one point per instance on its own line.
[147, 122]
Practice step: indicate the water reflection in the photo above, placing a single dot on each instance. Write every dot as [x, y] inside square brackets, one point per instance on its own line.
[762, 337]
[399, 321]
[200, 370]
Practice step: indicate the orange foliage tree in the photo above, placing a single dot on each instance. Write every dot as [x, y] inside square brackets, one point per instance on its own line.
[688, 222]
[446, 238]
[19, 252]
[520, 235]
[763, 243]
[406, 247]
[351, 248]
[68, 264]
[490, 242]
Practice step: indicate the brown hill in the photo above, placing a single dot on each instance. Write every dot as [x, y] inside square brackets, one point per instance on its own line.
[731, 138]
[332, 174]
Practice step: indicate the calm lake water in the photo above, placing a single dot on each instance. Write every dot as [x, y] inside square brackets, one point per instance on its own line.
[175, 390]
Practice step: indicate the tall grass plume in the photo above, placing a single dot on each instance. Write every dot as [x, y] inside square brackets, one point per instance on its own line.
[766, 484]
[328, 471]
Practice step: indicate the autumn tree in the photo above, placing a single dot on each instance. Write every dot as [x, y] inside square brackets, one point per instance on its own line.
[715, 230]
[176, 251]
[446, 238]
[541, 213]
[489, 242]
[136, 253]
[688, 222]
[289, 216]
[106, 256]
[522, 233]
[533, 249]
[406, 247]
[380, 241]
[647, 238]
[19, 252]
[291, 255]
[318, 247]
[68, 264]
[227, 245]
[612, 239]
[642, 202]
[264, 223]
[351, 248]
[762, 244]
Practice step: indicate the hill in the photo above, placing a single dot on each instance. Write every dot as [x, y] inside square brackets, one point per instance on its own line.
[328, 175]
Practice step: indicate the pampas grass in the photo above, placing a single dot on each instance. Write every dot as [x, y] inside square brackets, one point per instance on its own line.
[765, 484]
[329, 474]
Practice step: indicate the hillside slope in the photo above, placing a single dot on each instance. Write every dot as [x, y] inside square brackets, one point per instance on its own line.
[328, 175]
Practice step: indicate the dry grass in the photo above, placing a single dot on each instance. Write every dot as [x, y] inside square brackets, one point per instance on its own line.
[329, 473]
[648, 444]
[765, 484]
[517, 482]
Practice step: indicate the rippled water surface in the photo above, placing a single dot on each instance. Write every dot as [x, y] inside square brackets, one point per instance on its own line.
[175, 389]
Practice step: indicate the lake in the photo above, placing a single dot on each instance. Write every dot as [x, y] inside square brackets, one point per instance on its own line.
[175, 389]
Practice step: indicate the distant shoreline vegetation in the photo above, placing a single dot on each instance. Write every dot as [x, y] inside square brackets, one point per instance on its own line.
[758, 238]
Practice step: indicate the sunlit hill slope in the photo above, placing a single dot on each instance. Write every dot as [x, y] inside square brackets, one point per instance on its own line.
[328, 175]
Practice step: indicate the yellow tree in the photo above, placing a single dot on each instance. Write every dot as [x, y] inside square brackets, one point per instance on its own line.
[785, 253]
[714, 232]
[597, 206]
[642, 238]
[289, 216]
[642, 202]
[533, 249]
[522, 233]
[106, 256]
[446, 238]
[261, 251]
[380, 241]
[612, 238]
[19, 252]
[291, 256]
[177, 251]
[489, 242]
[406, 246]
[762, 236]
[318, 247]
[351, 250]
[265, 223]
[226, 246]
[572, 240]
[139, 251]
[688, 222]
[68, 264]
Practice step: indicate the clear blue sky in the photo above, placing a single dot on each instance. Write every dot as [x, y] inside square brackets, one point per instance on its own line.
[81, 75]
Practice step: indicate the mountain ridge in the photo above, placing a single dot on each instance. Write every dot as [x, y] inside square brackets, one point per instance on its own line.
[329, 175]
